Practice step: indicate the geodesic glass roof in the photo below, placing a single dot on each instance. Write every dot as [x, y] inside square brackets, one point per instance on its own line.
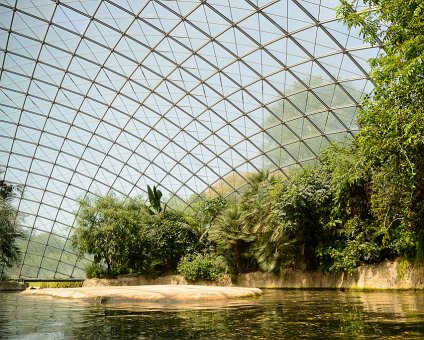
[191, 96]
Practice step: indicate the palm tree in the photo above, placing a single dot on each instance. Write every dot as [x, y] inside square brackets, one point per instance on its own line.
[230, 238]
[273, 247]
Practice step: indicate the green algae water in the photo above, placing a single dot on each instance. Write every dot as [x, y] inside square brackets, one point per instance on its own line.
[278, 314]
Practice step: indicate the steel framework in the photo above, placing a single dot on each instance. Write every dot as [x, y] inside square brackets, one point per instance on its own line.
[117, 94]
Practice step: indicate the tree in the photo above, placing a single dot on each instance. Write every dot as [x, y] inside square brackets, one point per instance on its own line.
[391, 136]
[302, 210]
[110, 229]
[354, 236]
[170, 237]
[127, 235]
[288, 123]
[9, 229]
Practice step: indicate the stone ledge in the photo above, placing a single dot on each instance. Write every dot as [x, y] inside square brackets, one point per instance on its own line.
[385, 275]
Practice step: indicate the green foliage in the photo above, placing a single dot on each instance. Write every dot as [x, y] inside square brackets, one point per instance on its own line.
[110, 230]
[9, 229]
[357, 242]
[349, 180]
[236, 228]
[279, 223]
[353, 236]
[269, 249]
[257, 203]
[124, 236]
[391, 138]
[303, 206]
[231, 240]
[210, 208]
[209, 267]
[170, 237]
[359, 232]
[4, 277]
[204, 212]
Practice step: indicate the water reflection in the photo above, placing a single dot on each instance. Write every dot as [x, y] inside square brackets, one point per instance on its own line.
[279, 314]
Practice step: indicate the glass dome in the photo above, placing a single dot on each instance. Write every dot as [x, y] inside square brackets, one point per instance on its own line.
[191, 96]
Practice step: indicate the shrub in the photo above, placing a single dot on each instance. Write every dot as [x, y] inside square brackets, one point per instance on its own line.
[303, 205]
[359, 242]
[287, 217]
[209, 267]
[97, 271]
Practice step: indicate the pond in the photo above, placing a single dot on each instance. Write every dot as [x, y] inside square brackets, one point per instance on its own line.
[278, 314]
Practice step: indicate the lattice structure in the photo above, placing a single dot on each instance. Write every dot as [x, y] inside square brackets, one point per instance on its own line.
[117, 94]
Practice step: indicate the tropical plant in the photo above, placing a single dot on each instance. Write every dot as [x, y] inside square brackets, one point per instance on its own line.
[204, 215]
[231, 240]
[302, 210]
[257, 217]
[155, 196]
[357, 242]
[353, 236]
[99, 271]
[257, 204]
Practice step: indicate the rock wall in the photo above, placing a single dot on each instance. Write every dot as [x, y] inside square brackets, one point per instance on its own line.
[386, 275]
[136, 280]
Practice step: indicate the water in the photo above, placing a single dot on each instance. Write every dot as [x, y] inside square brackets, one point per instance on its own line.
[278, 314]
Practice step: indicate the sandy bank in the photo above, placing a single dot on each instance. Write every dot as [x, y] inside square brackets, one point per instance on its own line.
[148, 293]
